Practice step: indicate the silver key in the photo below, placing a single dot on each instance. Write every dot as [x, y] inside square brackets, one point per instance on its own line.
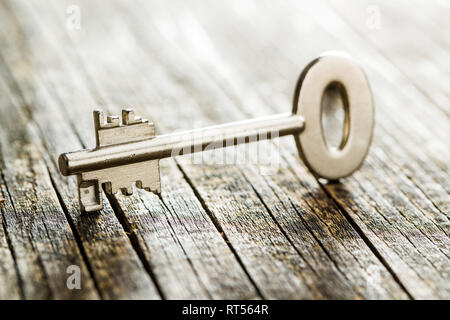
[128, 152]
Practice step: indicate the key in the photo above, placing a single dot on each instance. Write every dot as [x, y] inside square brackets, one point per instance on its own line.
[128, 152]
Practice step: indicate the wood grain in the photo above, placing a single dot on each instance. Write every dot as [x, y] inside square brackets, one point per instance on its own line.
[113, 263]
[42, 240]
[202, 173]
[181, 280]
[234, 231]
[390, 199]
[442, 258]
[9, 275]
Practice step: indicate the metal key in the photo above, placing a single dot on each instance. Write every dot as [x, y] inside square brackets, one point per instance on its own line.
[129, 152]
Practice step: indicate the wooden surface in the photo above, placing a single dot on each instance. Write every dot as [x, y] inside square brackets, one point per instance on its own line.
[223, 231]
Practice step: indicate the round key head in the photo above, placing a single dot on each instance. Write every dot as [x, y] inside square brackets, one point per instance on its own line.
[345, 74]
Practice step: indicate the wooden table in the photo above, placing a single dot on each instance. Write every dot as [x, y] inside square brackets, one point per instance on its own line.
[223, 231]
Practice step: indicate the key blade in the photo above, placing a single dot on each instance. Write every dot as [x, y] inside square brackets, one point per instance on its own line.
[144, 175]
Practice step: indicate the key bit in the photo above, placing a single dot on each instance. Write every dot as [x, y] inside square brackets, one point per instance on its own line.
[128, 117]
[128, 152]
[109, 133]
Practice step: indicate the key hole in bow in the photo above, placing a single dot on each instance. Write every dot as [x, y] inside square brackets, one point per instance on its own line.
[335, 119]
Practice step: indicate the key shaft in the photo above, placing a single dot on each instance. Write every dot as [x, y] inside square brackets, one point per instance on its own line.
[181, 143]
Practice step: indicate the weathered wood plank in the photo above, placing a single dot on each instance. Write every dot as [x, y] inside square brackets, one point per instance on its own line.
[433, 15]
[10, 287]
[244, 93]
[400, 154]
[42, 240]
[419, 57]
[339, 240]
[274, 289]
[283, 234]
[180, 267]
[209, 222]
[114, 264]
[384, 201]
[222, 192]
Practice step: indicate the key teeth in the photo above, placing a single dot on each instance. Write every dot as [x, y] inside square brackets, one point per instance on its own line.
[127, 191]
[100, 123]
[112, 189]
[128, 117]
[155, 190]
[112, 121]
